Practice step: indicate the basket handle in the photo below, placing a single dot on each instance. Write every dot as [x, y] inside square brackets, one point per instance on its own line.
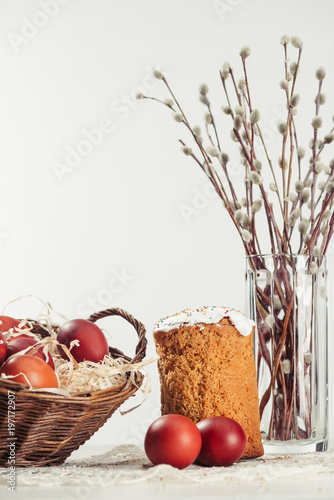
[139, 327]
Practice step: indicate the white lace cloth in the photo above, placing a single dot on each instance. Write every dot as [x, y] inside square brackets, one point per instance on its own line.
[129, 465]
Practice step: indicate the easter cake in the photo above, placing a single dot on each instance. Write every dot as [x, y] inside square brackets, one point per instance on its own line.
[207, 368]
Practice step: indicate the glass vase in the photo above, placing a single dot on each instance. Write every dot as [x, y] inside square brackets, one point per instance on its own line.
[286, 295]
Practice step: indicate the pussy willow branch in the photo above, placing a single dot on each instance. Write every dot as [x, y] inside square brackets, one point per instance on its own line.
[248, 101]
[330, 232]
[232, 116]
[288, 130]
[289, 97]
[244, 133]
[271, 218]
[250, 159]
[314, 150]
[316, 230]
[207, 102]
[323, 189]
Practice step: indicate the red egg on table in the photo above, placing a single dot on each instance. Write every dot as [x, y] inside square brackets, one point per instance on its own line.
[174, 440]
[29, 369]
[93, 345]
[17, 344]
[3, 349]
[223, 441]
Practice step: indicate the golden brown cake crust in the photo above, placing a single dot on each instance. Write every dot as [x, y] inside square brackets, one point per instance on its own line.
[208, 370]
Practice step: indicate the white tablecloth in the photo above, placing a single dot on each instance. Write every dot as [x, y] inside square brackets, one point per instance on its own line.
[125, 470]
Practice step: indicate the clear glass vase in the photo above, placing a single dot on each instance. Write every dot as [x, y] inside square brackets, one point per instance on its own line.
[286, 295]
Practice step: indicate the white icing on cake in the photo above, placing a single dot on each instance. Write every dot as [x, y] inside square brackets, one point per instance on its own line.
[208, 314]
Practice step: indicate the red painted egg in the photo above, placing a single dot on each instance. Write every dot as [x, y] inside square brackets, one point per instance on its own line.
[174, 440]
[93, 345]
[29, 368]
[48, 358]
[7, 322]
[3, 349]
[223, 441]
[15, 345]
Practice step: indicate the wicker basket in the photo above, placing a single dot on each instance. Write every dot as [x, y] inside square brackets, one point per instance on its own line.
[49, 427]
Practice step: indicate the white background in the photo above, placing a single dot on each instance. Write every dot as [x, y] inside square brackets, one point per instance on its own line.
[119, 211]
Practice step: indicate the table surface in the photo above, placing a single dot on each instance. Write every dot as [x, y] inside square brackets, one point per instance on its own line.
[124, 472]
